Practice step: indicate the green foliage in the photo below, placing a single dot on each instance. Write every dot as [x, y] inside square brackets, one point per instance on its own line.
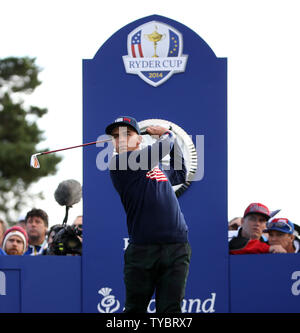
[19, 135]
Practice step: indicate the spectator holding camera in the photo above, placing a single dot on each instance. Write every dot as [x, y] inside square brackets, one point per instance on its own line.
[78, 222]
[78, 225]
[281, 232]
[36, 222]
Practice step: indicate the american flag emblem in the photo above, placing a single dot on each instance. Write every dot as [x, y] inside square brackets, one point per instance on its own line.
[157, 174]
[136, 47]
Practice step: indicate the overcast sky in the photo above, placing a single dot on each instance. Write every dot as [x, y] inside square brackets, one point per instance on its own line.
[260, 40]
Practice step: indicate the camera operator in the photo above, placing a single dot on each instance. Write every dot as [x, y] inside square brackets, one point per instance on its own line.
[64, 239]
[78, 223]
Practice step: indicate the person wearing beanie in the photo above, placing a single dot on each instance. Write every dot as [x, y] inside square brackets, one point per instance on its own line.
[15, 241]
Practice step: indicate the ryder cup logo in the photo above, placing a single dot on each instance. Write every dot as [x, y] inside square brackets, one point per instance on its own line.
[155, 53]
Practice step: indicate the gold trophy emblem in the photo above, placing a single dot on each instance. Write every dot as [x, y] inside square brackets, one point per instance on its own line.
[155, 37]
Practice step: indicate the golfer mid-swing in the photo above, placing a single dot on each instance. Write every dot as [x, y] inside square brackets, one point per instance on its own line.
[158, 255]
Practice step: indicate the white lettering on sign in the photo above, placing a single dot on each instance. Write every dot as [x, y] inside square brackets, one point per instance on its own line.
[103, 159]
[296, 285]
[148, 64]
[192, 305]
[2, 283]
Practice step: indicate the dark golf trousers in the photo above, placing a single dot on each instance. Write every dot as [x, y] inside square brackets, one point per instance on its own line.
[162, 268]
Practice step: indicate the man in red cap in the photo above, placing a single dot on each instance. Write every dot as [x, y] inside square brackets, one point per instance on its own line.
[15, 241]
[248, 238]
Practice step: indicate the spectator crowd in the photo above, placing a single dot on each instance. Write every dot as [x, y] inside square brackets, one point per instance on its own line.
[31, 235]
[257, 232]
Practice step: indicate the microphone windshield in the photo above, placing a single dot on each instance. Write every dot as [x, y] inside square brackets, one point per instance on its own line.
[68, 193]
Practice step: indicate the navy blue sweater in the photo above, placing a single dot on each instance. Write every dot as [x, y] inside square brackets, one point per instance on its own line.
[152, 209]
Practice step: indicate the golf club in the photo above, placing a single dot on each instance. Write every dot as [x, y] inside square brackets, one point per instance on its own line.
[34, 162]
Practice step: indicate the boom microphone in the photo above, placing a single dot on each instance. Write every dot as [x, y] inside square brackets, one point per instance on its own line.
[68, 193]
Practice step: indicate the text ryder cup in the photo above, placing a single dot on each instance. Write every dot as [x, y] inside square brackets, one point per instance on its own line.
[149, 64]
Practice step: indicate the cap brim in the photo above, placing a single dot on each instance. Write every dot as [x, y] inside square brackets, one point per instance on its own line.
[110, 127]
[274, 212]
[278, 229]
[265, 215]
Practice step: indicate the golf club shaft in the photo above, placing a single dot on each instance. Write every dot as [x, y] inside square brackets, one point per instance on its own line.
[85, 144]
[82, 145]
